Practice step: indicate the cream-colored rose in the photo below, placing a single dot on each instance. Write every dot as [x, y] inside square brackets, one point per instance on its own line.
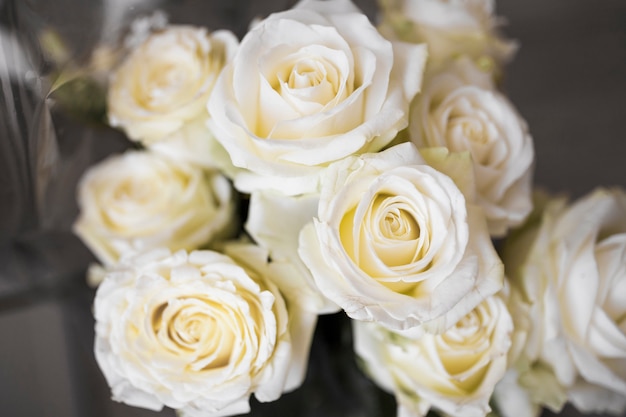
[196, 332]
[275, 220]
[460, 109]
[307, 87]
[450, 28]
[395, 242]
[165, 82]
[139, 201]
[568, 300]
[454, 372]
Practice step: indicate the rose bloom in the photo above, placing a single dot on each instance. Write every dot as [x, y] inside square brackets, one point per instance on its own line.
[275, 220]
[307, 87]
[450, 28]
[460, 109]
[165, 82]
[454, 372]
[198, 332]
[396, 242]
[138, 201]
[568, 300]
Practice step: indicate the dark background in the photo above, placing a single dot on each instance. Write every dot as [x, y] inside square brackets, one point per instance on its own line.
[568, 80]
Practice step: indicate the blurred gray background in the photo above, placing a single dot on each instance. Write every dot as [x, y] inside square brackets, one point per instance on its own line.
[568, 81]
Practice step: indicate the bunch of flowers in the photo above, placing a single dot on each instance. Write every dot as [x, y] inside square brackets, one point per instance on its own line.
[375, 166]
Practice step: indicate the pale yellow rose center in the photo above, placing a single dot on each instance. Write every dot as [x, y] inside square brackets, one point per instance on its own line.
[162, 82]
[301, 83]
[136, 190]
[462, 347]
[390, 233]
[196, 327]
[168, 84]
[310, 73]
[468, 126]
[398, 224]
[130, 202]
[309, 80]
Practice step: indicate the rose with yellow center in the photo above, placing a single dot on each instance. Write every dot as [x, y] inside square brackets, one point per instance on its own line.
[454, 372]
[395, 242]
[197, 332]
[307, 87]
[139, 201]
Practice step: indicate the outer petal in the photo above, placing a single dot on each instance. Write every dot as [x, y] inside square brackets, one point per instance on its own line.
[274, 222]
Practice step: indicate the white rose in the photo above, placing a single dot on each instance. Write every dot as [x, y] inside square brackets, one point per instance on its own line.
[450, 28]
[461, 110]
[454, 372]
[307, 87]
[166, 81]
[395, 242]
[196, 332]
[275, 220]
[139, 201]
[568, 300]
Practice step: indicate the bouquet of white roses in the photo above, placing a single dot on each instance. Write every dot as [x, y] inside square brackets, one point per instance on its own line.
[324, 164]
